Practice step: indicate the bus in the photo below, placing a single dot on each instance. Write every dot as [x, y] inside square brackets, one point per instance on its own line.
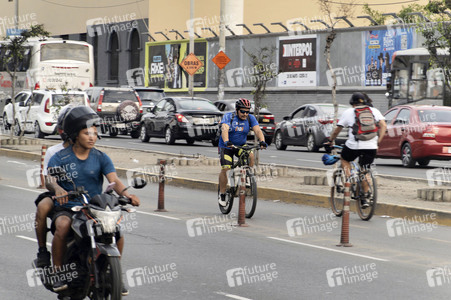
[415, 79]
[50, 64]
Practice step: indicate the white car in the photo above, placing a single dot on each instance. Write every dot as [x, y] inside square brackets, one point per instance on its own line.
[38, 111]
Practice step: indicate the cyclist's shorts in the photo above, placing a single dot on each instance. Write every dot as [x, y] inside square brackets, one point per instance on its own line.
[366, 156]
[226, 156]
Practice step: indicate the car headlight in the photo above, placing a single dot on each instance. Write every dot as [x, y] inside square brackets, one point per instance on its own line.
[108, 218]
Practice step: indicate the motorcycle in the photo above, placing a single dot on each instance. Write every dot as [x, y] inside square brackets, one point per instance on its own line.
[91, 264]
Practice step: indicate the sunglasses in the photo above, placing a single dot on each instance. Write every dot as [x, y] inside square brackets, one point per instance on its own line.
[244, 111]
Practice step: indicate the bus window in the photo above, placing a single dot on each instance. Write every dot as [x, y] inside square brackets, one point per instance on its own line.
[65, 51]
[400, 84]
[418, 83]
[435, 83]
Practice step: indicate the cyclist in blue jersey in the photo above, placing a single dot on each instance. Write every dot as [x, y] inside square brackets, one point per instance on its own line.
[235, 127]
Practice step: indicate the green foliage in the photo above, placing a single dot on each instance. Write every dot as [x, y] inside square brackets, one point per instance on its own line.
[376, 15]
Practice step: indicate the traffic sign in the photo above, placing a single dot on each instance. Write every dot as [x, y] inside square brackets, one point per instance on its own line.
[221, 60]
[191, 64]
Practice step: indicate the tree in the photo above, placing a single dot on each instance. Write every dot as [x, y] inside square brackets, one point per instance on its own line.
[263, 70]
[345, 10]
[15, 47]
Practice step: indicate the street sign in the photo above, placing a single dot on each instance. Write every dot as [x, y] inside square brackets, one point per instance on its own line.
[191, 64]
[221, 60]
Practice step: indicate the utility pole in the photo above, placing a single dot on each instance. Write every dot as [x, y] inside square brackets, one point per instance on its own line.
[191, 47]
[222, 44]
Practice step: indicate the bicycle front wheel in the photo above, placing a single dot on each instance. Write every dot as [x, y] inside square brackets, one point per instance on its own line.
[337, 193]
[251, 195]
[366, 213]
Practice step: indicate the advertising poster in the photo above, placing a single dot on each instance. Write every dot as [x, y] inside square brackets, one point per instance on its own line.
[297, 61]
[379, 48]
[163, 64]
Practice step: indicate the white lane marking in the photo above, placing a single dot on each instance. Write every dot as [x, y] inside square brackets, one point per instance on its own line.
[328, 249]
[232, 296]
[316, 161]
[272, 156]
[157, 215]
[25, 189]
[31, 239]
[17, 162]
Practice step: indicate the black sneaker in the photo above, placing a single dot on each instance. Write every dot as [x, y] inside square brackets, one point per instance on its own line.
[222, 200]
[43, 259]
[364, 201]
[59, 285]
[124, 291]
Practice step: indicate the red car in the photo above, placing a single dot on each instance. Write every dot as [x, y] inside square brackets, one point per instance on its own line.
[417, 134]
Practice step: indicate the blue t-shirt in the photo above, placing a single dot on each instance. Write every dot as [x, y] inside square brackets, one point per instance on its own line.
[87, 173]
[238, 129]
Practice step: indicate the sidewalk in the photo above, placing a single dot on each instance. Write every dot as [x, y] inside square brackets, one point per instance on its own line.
[397, 197]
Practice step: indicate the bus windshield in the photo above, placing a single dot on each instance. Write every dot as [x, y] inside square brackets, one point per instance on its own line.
[66, 51]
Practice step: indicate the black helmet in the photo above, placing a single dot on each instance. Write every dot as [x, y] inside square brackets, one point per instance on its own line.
[79, 118]
[59, 125]
[242, 103]
[358, 99]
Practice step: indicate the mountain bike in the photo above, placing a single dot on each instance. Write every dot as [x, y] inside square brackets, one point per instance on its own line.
[358, 178]
[234, 180]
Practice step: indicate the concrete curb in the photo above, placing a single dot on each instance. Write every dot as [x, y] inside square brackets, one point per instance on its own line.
[383, 209]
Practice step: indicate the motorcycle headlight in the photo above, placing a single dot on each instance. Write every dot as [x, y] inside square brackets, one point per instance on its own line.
[108, 218]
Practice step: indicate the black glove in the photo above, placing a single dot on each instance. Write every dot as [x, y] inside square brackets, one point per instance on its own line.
[229, 144]
[263, 144]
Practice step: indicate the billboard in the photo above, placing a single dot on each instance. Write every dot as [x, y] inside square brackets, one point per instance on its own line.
[297, 61]
[379, 48]
[163, 68]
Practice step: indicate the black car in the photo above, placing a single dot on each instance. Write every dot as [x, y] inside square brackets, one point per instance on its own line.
[309, 125]
[266, 119]
[149, 96]
[172, 118]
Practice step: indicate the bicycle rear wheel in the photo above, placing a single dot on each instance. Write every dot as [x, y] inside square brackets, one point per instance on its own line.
[337, 193]
[366, 213]
[251, 195]
[229, 198]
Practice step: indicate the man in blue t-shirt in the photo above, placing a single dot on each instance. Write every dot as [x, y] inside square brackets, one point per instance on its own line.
[86, 166]
[234, 130]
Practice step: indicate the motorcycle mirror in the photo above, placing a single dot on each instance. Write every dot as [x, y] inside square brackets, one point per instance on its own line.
[139, 182]
[110, 187]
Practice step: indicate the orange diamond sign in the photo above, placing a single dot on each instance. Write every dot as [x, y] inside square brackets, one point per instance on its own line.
[191, 64]
[221, 60]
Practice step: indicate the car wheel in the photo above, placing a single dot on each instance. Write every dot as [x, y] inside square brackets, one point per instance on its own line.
[423, 162]
[190, 141]
[128, 111]
[113, 131]
[143, 134]
[406, 156]
[6, 125]
[311, 144]
[169, 136]
[268, 140]
[17, 130]
[279, 141]
[37, 131]
[215, 142]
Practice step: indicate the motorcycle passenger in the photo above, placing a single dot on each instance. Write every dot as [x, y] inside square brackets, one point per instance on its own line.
[86, 166]
[234, 130]
[44, 202]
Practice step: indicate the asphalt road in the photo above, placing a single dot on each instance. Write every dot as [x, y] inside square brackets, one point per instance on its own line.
[279, 256]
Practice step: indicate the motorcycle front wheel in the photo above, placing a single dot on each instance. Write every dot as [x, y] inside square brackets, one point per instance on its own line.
[110, 280]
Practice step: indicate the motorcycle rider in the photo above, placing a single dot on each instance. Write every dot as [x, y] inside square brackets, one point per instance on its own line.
[86, 166]
[44, 202]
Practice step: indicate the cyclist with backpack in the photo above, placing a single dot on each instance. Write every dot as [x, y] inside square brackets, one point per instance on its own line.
[366, 130]
[234, 129]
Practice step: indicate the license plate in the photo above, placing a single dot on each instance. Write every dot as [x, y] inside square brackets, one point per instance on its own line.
[120, 126]
[265, 120]
[202, 121]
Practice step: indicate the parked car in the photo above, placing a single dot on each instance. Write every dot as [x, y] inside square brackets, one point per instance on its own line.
[176, 118]
[149, 97]
[266, 119]
[309, 125]
[38, 111]
[119, 108]
[417, 134]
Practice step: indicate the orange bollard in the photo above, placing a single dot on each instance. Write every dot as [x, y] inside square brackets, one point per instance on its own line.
[242, 205]
[161, 180]
[344, 241]
[43, 151]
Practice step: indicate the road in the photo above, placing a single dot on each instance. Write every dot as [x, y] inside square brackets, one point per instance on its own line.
[276, 257]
